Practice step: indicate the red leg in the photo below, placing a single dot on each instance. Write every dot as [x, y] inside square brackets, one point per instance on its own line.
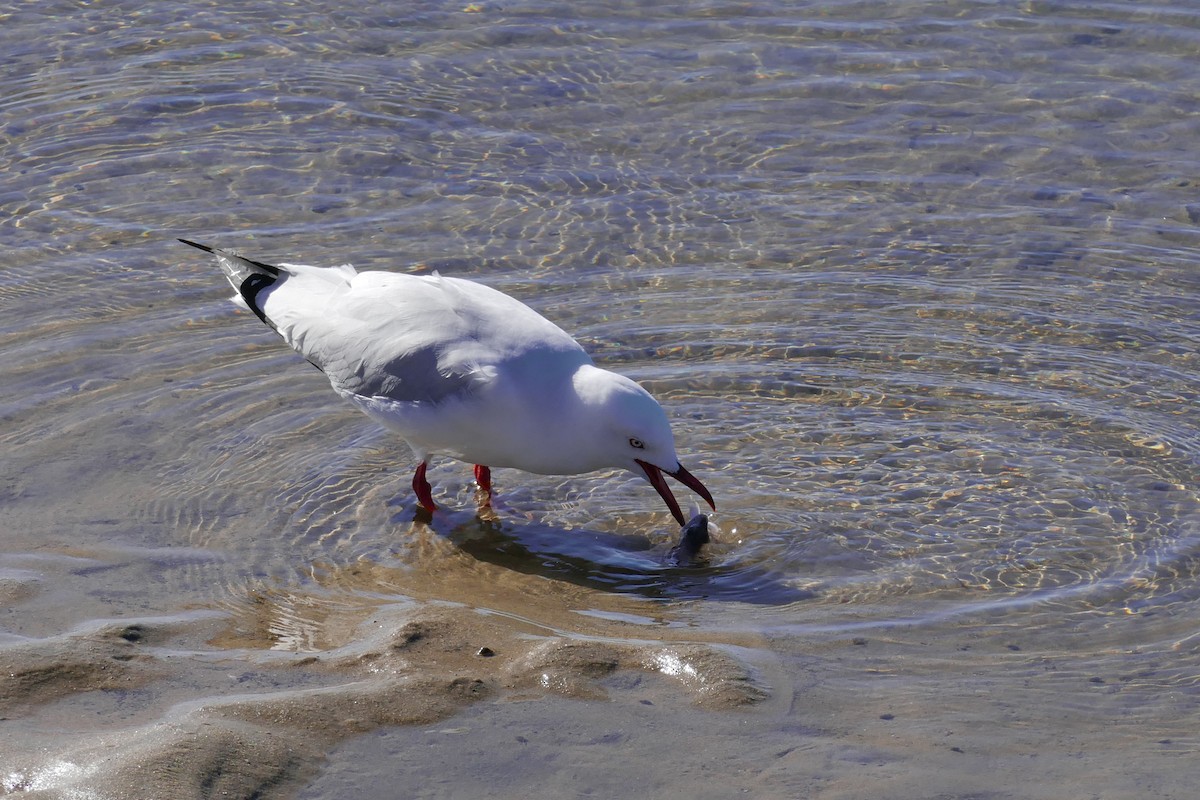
[483, 477]
[422, 489]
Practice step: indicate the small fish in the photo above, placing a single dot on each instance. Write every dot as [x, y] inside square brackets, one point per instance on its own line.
[693, 537]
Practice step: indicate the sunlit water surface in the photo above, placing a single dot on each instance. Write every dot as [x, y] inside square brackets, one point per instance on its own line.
[916, 284]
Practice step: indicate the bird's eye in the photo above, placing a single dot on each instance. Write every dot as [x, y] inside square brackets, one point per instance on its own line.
[635, 442]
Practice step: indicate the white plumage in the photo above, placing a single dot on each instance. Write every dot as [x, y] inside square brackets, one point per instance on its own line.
[459, 369]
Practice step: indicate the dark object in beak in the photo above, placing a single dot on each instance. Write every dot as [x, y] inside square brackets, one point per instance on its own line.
[683, 476]
[693, 536]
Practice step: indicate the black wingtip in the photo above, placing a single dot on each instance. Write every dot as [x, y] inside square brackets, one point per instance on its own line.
[198, 246]
[271, 268]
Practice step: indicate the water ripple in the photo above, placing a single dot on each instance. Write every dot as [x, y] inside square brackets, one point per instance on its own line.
[921, 297]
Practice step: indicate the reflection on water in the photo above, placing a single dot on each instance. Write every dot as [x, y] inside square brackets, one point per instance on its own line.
[915, 284]
[920, 340]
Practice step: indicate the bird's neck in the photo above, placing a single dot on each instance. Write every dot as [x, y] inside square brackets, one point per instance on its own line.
[556, 429]
[592, 386]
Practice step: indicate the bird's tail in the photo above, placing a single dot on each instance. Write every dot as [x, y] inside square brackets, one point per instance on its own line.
[246, 276]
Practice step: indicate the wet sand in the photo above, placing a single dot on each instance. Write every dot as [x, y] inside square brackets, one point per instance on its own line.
[199, 705]
[310, 695]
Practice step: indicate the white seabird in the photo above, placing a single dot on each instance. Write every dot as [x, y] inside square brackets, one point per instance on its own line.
[459, 369]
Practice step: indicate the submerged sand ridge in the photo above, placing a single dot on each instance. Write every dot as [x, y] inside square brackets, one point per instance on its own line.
[234, 703]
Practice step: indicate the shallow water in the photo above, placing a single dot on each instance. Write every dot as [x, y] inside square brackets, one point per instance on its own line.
[915, 284]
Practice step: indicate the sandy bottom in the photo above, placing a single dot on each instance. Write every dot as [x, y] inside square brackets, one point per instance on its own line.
[270, 739]
[441, 700]
[452, 677]
[197, 705]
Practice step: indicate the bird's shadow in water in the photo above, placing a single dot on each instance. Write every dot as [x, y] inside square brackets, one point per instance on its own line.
[626, 563]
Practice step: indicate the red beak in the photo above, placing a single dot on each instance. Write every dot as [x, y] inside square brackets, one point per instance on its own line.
[655, 475]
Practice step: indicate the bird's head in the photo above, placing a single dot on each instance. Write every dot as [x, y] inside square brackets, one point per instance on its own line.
[635, 434]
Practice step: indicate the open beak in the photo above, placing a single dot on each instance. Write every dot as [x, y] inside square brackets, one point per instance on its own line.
[655, 476]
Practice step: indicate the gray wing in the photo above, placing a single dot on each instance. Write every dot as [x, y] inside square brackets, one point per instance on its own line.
[416, 376]
[421, 339]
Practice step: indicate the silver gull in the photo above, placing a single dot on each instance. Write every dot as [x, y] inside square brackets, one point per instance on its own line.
[459, 369]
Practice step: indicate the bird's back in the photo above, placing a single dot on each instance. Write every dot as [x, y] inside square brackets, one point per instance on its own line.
[405, 337]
